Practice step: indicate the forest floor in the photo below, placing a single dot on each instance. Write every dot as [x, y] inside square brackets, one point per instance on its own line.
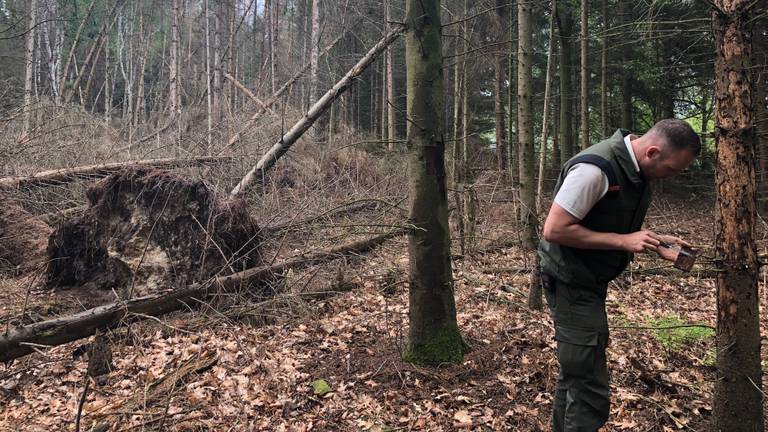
[209, 370]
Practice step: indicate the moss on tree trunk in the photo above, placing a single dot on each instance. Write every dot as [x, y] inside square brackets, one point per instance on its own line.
[433, 334]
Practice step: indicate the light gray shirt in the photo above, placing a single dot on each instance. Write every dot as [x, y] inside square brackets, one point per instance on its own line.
[585, 184]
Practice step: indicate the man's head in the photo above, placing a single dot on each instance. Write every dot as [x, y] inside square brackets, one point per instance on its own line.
[668, 148]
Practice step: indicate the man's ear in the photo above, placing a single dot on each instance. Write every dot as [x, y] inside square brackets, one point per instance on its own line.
[652, 152]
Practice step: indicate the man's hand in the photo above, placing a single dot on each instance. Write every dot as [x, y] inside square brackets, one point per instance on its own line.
[640, 241]
[673, 241]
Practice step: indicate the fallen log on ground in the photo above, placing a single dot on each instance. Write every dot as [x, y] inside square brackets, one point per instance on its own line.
[66, 175]
[345, 209]
[315, 111]
[21, 341]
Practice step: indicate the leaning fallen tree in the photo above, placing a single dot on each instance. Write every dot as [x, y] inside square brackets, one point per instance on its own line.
[275, 97]
[315, 111]
[67, 175]
[21, 341]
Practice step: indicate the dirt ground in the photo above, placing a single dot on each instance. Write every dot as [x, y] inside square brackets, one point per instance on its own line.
[254, 371]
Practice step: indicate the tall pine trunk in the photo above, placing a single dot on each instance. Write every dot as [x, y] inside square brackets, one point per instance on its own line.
[604, 74]
[565, 25]
[545, 111]
[738, 404]
[584, 74]
[173, 71]
[433, 334]
[392, 131]
[209, 100]
[29, 64]
[498, 88]
[627, 115]
[525, 144]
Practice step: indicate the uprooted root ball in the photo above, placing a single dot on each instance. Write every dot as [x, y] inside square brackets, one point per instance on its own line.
[146, 231]
[22, 239]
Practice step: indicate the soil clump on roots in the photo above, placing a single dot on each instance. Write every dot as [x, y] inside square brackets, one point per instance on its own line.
[23, 239]
[147, 231]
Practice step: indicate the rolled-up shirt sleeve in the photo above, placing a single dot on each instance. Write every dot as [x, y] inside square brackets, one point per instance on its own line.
[584, 185]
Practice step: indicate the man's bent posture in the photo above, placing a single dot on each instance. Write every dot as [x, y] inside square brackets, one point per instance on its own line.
[591, 232]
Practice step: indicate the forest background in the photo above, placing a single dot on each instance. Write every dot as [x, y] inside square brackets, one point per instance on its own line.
[88, 82]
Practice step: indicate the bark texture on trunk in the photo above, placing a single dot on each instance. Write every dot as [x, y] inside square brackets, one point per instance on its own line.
[545, 115]
[313, 51]
[565, 25]
[525, 139]
[627, 121]
[391, 125]
[498, 88]
[29, 63]
[738, 404]
[433, 334]
[173, 72]
[604, 74]
[584, 74]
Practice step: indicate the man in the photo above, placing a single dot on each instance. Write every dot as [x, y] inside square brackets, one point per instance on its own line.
[590, 234]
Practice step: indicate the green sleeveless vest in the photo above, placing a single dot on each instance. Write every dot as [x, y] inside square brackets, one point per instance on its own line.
[621, 210]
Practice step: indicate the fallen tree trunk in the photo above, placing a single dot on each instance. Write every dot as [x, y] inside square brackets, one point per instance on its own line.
[66, 175]
[23, 340]
[346, 209]
[268, 104]
[315, 111]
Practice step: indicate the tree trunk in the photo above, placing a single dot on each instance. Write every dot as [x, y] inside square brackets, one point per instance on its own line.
[173, 65]
[545, 115]
[604, 74]
[584, 74]
[217, 63]
[761, 119]
[465, 118]
[433, 334]
[525, 138]
[209, 100]
[738, 404]
[565, 25]
[231, 55]
[627, 121]
[514, 156]
[313, 51]
[458, 168]
[498, 89]
[391, 125]
[29, 63]
[275, 17]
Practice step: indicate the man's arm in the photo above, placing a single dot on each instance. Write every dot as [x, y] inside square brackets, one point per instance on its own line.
[563, 228]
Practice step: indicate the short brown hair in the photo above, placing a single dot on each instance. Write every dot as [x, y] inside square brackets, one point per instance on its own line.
[679, 135]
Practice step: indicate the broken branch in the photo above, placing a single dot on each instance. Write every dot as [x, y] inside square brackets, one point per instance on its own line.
[66, 175]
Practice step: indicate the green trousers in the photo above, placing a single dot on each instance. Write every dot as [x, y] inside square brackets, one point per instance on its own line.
[581, 330]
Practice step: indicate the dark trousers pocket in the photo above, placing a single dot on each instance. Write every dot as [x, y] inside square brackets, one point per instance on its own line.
[576, 350]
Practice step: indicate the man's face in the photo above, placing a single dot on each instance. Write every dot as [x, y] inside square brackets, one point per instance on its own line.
[663, 161]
